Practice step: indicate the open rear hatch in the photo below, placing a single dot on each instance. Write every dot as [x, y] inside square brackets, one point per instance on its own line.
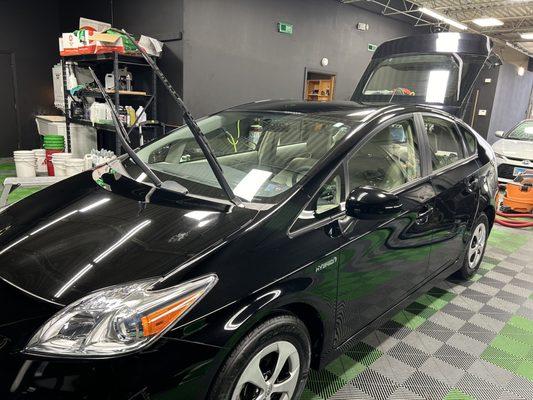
[438, 69]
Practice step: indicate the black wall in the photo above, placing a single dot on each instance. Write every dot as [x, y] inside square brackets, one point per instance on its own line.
[233, 53]
[485, 98]
[29, 30]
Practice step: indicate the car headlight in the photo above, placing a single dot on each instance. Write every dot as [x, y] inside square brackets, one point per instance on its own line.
[117, 320]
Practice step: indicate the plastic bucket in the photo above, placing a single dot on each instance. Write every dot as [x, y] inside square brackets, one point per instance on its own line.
[24, 163]
[40, 162]
[49, 164]
[74, 166]
[59, 162]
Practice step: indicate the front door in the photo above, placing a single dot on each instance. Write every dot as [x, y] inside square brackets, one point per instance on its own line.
[455, 182]
[382, 261]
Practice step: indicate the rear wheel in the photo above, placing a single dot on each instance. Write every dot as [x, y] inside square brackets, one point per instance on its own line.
[271, 363]
[476, 248]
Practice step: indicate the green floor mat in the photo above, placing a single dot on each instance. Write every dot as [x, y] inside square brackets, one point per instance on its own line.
[21, 193]
[7, 166]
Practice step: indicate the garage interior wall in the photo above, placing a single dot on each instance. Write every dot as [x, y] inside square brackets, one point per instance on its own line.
[218, 54]
[233, 53]
[511, 101]
[28, 33]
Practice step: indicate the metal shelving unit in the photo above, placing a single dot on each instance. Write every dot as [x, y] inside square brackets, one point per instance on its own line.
[116, 60]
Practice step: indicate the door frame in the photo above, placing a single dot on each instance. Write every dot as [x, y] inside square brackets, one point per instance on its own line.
[11, 53]
[308, 70]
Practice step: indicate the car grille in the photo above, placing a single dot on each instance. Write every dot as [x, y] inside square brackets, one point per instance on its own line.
[505, 171]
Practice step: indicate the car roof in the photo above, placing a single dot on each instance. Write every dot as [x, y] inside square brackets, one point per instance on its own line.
[355, 110]
[304, 107]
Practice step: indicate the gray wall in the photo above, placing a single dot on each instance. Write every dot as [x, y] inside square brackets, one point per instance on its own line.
[233, 54]
[29, 30]
[511, 100]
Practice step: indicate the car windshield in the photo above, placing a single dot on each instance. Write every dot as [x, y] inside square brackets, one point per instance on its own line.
[262, 154]
[524, 131]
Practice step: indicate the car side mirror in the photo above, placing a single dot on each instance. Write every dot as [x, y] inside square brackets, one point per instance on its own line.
[499, 134]
[372, 203]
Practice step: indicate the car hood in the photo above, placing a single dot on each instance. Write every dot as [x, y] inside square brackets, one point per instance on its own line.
[519, 149]
[76, 236]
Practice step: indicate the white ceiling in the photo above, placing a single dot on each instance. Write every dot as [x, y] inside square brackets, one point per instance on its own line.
[517, 16]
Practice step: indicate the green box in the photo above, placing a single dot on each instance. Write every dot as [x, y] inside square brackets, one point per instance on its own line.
[372, 47]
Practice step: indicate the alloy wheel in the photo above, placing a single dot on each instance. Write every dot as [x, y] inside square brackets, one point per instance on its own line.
[272, 374]
[477, 244]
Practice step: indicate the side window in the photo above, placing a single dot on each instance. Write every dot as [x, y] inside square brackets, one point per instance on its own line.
[389, 159]
[329, 197]
[470, 140]
[444, 142]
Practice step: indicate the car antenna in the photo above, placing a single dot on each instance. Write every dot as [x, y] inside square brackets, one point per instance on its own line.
[122, 134]
[191, 123]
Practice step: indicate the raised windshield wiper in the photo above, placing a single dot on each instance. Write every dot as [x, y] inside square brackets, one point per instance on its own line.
[122, 134]
[191, 123]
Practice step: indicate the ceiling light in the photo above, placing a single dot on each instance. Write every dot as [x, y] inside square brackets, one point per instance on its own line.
[488, 21]
[527, 35]
[442, 18]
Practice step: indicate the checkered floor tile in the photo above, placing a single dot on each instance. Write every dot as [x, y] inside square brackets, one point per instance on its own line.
[461, 340]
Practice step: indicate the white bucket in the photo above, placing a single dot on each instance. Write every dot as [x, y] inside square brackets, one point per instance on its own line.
[59, 161]
[74, 166]
[40, 161]
[24, 163]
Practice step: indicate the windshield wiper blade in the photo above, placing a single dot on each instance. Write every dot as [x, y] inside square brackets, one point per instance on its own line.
[191, 123]
[122, 134]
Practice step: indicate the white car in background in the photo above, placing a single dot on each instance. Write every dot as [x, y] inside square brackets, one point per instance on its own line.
[514, 151]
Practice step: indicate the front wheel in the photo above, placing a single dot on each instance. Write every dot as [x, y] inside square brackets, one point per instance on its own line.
[476, 248]
[271, 363]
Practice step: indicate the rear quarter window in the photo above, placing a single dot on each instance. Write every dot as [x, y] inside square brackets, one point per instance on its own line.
[469, 139]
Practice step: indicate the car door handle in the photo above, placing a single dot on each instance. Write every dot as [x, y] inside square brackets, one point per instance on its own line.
[423, 216]
[471, 184]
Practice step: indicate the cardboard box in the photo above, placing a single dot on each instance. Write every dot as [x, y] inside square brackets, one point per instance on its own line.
[93, 25]
[91, 42]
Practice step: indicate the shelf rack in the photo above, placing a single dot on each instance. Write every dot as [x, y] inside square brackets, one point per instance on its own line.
[117, 60]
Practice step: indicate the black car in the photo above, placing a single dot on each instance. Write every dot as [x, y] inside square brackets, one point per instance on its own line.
[302, 227]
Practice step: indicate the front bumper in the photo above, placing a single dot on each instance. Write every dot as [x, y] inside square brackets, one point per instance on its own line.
[175, 369]
[506, 167]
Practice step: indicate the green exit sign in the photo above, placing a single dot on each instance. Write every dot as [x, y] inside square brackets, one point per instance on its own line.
[284, 27]
[372, 47]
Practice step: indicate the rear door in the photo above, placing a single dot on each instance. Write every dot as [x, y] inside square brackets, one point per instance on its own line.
[382, 261]
[455, 181]
[438, 69]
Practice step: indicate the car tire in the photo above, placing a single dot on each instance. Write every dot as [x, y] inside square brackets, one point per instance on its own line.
[256, 356]
[477, 244]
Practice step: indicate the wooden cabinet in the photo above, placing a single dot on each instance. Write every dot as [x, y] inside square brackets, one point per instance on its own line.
[320, 89]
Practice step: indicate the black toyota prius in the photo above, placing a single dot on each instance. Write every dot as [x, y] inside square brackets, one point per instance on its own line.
[226, 259]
